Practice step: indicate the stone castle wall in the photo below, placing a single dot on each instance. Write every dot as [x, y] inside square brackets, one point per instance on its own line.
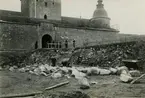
[84, 37]
[17, 36]
[25, 36]
[10, 13]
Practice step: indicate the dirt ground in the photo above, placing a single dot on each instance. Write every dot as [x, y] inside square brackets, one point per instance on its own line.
[106, 87]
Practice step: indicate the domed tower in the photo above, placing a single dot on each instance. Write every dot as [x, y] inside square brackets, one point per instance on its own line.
[100, 17]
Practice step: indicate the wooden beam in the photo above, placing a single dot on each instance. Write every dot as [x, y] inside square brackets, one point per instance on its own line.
[35, 93]
[137, 78]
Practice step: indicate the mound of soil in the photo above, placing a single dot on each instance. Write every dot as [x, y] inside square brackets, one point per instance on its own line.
[39, 57]
[108, 55]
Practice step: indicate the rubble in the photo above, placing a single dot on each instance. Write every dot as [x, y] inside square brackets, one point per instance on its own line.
[58, 71]
[81, 77]
[34, 94]
[1, 68]
[13, 68]
[93, 82]
[56, 75]
[93, 71]
[104, 72]
[105, 55]
[77, 73]
[65, 62]
[120, 69]
[137, 78]
[135, 73]
[98, 62]
[125, 76]
[25, 69]
[113, 70]
[72, 94]
[84, 83]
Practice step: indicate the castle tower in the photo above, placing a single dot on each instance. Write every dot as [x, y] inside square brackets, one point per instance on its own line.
[42, 9]
[100, 15]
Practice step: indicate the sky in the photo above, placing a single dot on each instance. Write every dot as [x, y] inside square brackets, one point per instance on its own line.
[126, 15]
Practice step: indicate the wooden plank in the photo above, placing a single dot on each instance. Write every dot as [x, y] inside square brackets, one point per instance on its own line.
[35, 93]
[21, 95]
[137, 78]
[57, 85]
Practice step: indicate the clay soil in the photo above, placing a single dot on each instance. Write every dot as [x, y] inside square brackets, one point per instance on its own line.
[107, 86]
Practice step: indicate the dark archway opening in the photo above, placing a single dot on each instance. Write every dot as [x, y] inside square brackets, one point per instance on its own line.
[45, 16]
[45, 40]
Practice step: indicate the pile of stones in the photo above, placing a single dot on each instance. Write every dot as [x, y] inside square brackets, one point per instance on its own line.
[105, 56]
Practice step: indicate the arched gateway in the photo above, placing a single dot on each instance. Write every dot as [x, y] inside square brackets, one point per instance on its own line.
[45, 40]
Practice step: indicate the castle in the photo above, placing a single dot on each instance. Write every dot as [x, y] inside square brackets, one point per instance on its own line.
[40, 25]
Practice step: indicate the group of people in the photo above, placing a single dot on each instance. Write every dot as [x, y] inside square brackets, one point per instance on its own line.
[66, 44]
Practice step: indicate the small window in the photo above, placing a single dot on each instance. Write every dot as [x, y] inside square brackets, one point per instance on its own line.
[45, 16]
[53, 2]
[45, 4]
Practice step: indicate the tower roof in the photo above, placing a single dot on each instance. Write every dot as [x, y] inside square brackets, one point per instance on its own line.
[100, 11]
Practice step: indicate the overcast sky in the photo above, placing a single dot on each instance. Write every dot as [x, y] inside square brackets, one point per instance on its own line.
[129, 15]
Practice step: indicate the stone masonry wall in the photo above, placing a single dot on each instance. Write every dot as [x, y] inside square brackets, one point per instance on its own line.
[52, 9]
[84, 37]
[24, 36]
[10, 13]
[17, 36]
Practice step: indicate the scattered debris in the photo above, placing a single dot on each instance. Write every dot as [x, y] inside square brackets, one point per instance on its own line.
[105, 55]
[120, 69]
[93, 71]
[93, 82]
[125, 76]
[35, 93]
[22, 70]
[65, 62]
[104, 72]
[1, 68]
[57, 71]
[12, 69]
[135, 73]
[137, 78]
[77, 73]
[72, 94]
[57, 85]
[113, 70]
[21, 95]
[56, 75]
[84, 83]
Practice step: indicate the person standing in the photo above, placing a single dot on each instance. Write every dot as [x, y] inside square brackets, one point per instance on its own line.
[66, 44]
[74, 43]
[60, 45]
[53, 60]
